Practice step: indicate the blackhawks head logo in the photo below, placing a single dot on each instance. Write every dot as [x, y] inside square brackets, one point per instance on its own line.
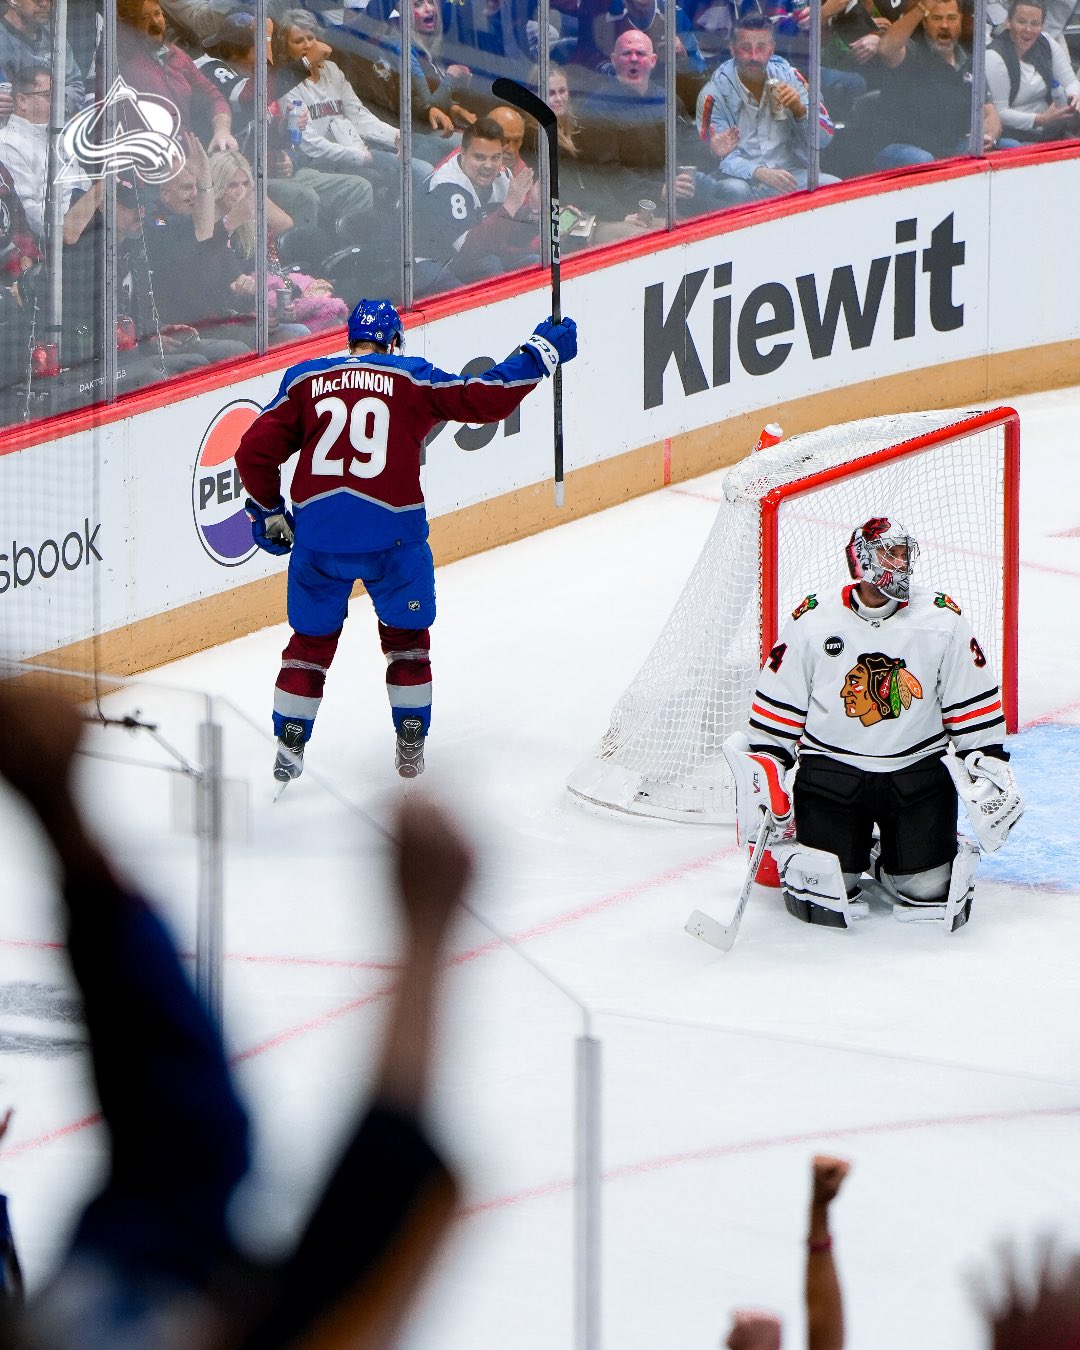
[804, 606]
[878, 688]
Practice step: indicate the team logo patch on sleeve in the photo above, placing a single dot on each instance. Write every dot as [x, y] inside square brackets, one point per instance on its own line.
[878, 688]
[804, 607]
[944, 601]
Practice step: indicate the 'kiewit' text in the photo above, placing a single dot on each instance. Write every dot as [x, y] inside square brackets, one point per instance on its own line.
[751, 332]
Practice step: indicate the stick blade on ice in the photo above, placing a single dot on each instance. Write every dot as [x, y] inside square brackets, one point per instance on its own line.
[700, 925]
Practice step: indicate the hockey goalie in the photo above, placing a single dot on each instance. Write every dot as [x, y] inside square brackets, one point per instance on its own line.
[876, 709]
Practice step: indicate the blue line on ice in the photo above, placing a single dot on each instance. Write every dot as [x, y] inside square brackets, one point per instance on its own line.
[1042, 848]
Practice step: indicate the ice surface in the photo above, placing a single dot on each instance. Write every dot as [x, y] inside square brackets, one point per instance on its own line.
[947, 1069]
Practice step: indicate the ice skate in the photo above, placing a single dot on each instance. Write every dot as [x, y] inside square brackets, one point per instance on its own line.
[290, 753]
[409, 754]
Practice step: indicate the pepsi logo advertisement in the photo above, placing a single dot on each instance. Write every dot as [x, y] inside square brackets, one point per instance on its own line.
[217, 494]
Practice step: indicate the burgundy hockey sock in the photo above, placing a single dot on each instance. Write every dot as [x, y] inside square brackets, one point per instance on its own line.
[408, 672]
[299, 688]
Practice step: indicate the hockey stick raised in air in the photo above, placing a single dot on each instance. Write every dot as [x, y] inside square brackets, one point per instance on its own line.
[700, 925]
[509, 91]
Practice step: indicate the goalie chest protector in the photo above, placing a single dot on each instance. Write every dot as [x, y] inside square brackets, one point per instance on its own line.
[877, 693]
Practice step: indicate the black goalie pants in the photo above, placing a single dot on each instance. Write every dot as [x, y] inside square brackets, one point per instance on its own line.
[837, 806]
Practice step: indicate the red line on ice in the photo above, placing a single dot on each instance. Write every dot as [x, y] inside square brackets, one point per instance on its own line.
[251, 958]
[1056, 715]
[660, 1164]
[462, 958]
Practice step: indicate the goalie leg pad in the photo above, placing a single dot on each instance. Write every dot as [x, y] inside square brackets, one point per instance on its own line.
[813, 887]
[932, 896]
[808, 912]
[961, 886]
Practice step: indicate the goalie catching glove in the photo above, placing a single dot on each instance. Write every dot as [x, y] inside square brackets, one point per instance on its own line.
[988, 790]
[271, 529]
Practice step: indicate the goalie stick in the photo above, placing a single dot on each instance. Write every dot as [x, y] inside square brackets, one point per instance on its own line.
[711, 930]
[509, 91]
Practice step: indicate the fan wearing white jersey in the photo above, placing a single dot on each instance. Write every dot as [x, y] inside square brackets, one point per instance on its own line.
[870, 685]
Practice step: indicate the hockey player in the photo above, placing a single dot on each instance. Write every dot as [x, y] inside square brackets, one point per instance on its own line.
[871, 684]
[356, 424]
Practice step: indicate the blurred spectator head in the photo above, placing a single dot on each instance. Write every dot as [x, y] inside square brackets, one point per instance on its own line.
[942, 27]
[752, 45]
[295, 34]
[425, 18]
[235, 39]
[31, 91]
[558, 100]
[481, 157]
[513, 127]
[633, 59]
[1024, 24]
[558, 91]
[234, 197]
[28, 16]
[179, 194]
[143, 16]
[233, 181]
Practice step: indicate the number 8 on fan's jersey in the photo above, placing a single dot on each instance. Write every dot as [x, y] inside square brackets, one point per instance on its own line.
[369, 431]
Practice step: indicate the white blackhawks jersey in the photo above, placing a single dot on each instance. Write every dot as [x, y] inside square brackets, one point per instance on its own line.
[877, 692]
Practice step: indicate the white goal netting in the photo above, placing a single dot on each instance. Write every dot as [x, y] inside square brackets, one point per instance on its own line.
[661, 754]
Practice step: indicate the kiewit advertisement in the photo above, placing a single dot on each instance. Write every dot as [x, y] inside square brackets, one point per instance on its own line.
[146, 514]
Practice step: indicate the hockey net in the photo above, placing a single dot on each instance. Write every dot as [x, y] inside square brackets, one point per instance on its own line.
[780, 533]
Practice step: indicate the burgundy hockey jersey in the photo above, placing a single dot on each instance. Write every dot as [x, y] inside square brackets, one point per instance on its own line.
[357, 424]
[877, 692]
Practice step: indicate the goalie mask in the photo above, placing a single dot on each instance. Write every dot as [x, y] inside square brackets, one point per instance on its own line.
[883, 553]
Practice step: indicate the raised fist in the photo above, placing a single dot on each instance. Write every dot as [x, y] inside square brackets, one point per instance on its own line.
[829, 1174]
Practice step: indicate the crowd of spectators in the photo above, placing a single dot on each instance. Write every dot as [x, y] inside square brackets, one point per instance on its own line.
[895, 90]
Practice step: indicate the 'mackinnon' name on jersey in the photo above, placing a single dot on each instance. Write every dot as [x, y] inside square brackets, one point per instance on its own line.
[878, 693]
[356, 425]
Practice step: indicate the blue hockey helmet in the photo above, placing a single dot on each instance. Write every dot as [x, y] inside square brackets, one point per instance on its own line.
[376, 321]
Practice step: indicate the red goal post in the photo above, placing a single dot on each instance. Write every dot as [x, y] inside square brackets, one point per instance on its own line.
[1009, 423]
[787, 512]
